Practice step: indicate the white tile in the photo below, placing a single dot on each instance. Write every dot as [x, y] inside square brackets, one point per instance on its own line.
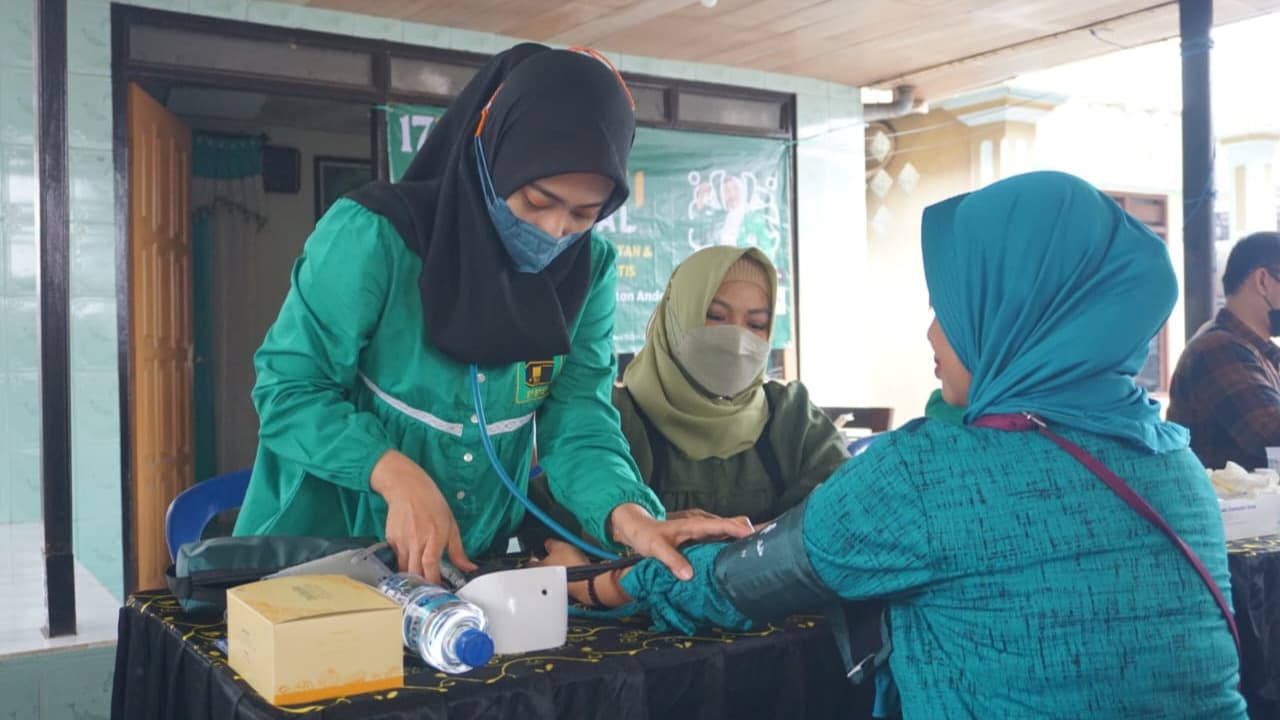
[427, 35]
[840, 90]
[89, 110]
[22, 606]
[321, 20]
[92, 188]
[479, 42]
[17, 106]
[812, 116]
[234, 9]
[16, 22]
[779, 82]
[89, 37]
[844, 110]
[675, 69]
[173, 5]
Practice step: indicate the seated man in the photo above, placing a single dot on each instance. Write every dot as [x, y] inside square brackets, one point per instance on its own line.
[1226, 388]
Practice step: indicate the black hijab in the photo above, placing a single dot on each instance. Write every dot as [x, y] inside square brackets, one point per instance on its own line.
[558, 112]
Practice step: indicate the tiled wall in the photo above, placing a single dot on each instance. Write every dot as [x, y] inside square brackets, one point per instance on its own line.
[20, 409]
[60, 685]
[830, 223]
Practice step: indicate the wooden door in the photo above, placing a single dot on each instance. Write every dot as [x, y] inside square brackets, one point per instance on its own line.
[1152, 211]
[160, 325]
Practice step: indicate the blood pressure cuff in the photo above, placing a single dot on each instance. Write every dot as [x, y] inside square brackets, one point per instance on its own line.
[204, 570]
[767, 576]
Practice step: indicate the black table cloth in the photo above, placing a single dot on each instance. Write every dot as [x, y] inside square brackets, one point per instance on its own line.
[1255, 597]
[169, 665]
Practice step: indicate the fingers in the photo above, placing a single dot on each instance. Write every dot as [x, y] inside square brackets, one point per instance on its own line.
[403, 556]
[414, 564]
[712, 528]
[668, 555]
[457, 554]
[430, 557]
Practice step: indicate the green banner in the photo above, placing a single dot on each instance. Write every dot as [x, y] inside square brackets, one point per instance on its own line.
[688, 191]
[407, 128]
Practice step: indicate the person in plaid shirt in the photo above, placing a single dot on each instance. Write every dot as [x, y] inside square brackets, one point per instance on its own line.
[1226, 388]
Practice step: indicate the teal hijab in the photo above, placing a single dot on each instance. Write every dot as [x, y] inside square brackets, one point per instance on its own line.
[1050, 294]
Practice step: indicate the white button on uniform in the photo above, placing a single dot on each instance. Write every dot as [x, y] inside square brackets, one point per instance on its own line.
[468, 457]
[461, 494]
[474, 419]
[479, 377]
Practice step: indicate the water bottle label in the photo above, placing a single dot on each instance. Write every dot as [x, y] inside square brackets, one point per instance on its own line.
[422, 609]
[419, 599]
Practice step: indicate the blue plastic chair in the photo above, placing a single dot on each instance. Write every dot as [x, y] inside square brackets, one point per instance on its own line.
[859, 446]
[194, 507]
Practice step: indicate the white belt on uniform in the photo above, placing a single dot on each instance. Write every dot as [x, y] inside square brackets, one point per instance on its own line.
[426, 418]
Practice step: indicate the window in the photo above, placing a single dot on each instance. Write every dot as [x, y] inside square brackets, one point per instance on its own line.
[709, 110]
[206, 51]
[429, 77]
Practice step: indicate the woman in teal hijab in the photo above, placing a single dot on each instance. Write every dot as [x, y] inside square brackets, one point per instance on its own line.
[1017, 583]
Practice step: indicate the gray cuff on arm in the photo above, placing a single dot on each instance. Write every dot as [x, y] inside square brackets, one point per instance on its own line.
[768, 576]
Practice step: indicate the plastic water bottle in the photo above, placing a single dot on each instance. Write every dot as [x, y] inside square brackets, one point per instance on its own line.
[447, 632]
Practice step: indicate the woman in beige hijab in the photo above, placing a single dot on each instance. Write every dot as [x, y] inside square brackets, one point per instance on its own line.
[708, 433]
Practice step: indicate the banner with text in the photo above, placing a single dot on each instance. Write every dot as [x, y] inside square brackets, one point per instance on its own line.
[688, 191]
[407, 128]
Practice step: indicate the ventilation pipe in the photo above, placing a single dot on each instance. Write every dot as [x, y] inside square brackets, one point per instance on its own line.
[903, 103]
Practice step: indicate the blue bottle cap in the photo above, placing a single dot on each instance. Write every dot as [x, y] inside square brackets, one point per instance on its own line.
[474, 648]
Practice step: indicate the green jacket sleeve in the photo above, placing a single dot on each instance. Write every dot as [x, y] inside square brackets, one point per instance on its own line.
[580, 445]
[805, 434]
[309, 360]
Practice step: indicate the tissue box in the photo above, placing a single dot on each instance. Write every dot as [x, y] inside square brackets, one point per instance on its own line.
[304, 638]
[1246, 517]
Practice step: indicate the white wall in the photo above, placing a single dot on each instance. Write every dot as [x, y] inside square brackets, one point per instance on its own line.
[291, 217]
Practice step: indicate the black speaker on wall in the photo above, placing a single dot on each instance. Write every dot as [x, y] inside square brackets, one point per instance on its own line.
[281, 169]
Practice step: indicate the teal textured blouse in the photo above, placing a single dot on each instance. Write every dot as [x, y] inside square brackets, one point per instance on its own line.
[1018, 584]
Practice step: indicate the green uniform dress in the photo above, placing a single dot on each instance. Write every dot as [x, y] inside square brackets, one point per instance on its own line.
[346, 373]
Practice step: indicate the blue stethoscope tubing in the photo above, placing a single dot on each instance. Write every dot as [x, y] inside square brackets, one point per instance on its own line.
[511, 485]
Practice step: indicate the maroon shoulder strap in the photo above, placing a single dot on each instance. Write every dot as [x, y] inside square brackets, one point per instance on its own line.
[1022, 422]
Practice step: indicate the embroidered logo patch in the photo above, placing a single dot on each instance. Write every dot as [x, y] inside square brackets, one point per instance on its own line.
[533, 381]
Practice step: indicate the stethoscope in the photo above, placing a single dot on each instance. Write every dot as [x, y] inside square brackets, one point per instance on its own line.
[510, 484]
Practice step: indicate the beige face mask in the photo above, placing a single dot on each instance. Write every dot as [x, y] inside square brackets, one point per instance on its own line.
[723, 360]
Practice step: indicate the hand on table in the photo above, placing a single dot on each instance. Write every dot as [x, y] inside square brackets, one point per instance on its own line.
[634, 527]
[420, 527]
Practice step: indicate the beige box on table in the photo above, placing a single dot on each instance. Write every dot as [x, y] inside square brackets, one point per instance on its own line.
[304, 638]
[1246, 517]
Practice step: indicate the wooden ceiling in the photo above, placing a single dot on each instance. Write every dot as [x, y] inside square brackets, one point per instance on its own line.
[941, 46]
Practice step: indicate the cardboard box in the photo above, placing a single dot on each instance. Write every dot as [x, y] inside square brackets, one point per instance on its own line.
[1246, 517]
[304, 638]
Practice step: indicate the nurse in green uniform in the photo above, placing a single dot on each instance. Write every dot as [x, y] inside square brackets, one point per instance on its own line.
[482, 255]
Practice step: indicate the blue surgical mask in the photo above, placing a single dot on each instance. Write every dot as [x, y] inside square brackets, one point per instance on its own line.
[530, 248]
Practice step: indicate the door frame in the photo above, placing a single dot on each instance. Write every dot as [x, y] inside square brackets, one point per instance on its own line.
[1160, 226]
[125, 69]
